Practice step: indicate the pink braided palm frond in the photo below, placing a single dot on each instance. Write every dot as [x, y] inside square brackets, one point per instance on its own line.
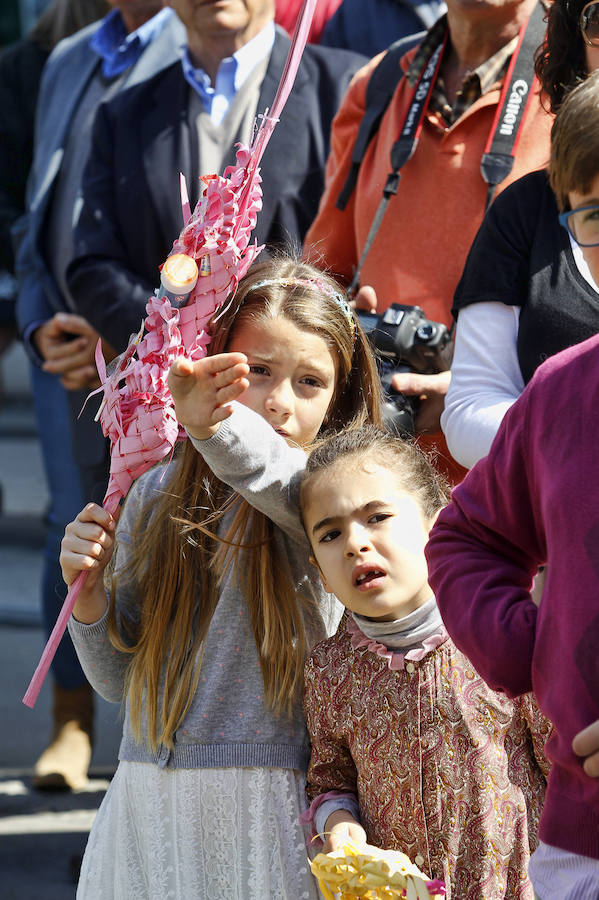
[222, 251]
[137, 412]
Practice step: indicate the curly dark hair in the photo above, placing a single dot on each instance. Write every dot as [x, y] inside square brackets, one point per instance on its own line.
[560, 62]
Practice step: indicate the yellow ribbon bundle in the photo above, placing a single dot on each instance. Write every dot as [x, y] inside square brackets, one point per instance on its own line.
[351, 872]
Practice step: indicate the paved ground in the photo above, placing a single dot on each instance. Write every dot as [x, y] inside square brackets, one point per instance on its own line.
[42, 835]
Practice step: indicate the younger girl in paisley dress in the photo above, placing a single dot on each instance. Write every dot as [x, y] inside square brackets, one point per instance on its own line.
[411, 750]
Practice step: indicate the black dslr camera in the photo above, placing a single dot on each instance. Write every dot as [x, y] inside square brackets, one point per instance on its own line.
[405, 341]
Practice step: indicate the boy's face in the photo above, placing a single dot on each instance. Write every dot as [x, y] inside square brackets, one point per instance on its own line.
[368, 537]
[590, 198]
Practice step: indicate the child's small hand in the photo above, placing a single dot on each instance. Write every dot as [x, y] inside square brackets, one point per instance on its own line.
[202, 390]
[87, 546]
[340, 828]
[586, 743]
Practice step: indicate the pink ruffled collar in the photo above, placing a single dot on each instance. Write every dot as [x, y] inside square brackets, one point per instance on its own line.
[395, 659]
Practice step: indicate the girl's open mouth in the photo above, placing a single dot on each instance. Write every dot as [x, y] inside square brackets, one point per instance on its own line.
[367, 576]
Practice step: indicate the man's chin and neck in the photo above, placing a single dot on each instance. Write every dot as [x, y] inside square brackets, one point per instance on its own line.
[134, 15]
[208, 49]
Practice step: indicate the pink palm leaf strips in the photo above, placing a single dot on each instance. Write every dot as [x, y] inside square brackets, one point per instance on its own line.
[137, 411]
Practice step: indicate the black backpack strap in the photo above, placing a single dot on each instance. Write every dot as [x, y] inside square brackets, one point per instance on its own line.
[381, 87]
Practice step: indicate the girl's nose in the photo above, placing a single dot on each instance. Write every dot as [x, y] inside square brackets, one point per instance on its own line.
[280, 399]
[357, 542]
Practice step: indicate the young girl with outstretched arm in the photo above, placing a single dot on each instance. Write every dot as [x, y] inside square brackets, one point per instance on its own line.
[213, 610]
[411, 750]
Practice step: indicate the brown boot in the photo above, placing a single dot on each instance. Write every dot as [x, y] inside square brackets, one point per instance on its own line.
[64, 764]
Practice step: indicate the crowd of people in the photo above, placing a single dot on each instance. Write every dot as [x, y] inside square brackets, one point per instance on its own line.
[322, 631]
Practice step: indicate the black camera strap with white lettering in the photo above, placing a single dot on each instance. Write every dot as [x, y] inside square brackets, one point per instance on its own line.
[403, 148]
[379, 91]
[498, 156]
[518, 89]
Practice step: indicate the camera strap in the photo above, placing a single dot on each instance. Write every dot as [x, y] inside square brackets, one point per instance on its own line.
[498, 156]
[518, 89]
[379, 92]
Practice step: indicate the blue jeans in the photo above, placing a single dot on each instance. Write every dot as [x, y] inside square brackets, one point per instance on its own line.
[66, 500]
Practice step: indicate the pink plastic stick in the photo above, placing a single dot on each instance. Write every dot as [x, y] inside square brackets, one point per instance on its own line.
[184, 199]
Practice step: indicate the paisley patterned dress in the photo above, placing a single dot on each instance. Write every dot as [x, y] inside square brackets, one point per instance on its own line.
[445, 769]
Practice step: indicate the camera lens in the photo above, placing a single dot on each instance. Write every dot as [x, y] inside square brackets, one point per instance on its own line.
[425, 332]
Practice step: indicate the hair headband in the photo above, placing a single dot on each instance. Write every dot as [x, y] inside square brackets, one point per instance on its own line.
[336, 296]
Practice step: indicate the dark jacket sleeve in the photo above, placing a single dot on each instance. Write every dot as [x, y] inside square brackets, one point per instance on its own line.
[32, 305]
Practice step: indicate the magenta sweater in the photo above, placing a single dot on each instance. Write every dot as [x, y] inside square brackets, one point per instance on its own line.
[535, 499]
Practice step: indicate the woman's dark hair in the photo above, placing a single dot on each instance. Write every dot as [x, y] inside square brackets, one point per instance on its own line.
[560, 61]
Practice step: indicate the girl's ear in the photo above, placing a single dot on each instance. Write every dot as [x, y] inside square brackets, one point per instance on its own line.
[320, 575]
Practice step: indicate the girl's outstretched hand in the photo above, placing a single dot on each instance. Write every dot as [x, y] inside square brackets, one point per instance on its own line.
[202, 390]
[87, 546]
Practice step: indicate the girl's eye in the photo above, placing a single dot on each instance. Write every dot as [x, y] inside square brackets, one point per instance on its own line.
[379, 517]
[258, 370]
[329, 536]
[312, 381]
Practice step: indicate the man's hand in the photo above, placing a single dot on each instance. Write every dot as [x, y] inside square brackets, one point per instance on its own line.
[586, 743]
[340, 828]
[431, 389]
[202, 390]
[67, 344]
[366, 299]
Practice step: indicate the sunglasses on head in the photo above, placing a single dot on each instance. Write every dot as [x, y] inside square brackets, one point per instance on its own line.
[589, 23]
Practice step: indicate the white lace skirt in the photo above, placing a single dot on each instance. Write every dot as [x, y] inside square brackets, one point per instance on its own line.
[198, 834]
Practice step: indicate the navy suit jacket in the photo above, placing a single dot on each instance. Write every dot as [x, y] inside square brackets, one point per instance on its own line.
[132, 209]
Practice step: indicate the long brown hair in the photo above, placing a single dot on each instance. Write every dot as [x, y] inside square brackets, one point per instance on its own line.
[179, 563]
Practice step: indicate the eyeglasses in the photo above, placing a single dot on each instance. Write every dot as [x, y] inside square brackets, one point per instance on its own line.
[589, 23]
[582, 224]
